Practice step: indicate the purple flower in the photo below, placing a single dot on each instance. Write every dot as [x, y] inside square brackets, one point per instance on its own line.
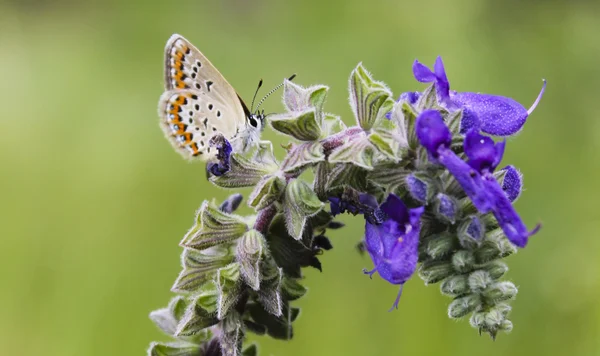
[474, 176]
[223, 155]
[492, 114]
[393, 244]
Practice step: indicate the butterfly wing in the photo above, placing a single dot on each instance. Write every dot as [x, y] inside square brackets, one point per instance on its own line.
[198, 102]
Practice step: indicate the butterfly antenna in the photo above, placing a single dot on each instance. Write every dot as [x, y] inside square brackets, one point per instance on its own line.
[256, 92]
[272, 91]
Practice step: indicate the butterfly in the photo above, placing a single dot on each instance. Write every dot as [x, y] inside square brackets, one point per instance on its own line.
[198, 103]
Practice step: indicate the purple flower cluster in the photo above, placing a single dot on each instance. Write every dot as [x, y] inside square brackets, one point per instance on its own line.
[392, 240]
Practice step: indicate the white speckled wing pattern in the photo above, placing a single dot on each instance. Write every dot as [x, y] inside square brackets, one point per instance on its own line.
[198, 102]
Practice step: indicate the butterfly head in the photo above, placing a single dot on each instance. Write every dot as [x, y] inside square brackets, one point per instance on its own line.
[257, 120]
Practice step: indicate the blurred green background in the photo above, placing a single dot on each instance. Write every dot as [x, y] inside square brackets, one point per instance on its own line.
[94, 200]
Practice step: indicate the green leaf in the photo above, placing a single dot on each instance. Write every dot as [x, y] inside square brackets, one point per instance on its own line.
[200, 267]
[250, 351]
[174, 349]
[359, 152]
[278, 327]
[244, 172]
[302, 125]
[213, 227]
[381, 144]
[300, 202]
[292, 289]
[249, 253]
[301, 156]
[267, 191]
[368, 98]
[288, 253]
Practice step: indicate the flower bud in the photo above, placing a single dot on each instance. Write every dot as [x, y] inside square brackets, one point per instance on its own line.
[496, 269]
[463, 306]
[435, 271]
[249, 253]
[445, 208]
[463, 261]
[455, 286]
[479, 280]
[471, 232]
[440, 245]
[500, 291]
[420, 187]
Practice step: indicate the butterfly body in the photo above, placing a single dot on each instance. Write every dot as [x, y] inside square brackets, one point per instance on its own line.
[199, 103]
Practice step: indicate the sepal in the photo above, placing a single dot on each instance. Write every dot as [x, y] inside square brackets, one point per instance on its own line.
[303, 125]
[301, 156]
[174, 349]
[250, 252]
[243, 172]
[267, 191]
[200, 267]
[168, 318]
[213, 227]
[370, 100]
[300, 203]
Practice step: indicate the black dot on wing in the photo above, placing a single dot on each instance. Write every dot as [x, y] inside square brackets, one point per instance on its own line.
[198, 86]
[198, 64]
[218, 113]
[197, 107]
[202, 142]
[198, 129]
[208, 84]
[210, 106]
[191, 121]
[193, 75]
[214, 129]
[194, 96]
[191, 113]
[202, 133]
[205, 122]
[195, 69]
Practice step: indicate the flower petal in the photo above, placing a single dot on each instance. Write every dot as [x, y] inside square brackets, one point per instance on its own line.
[508, 219]
[483, 153]
[468, 178]
[498, 115]
[442, 86]
[395, 209]
[432, 132]
[422, 73]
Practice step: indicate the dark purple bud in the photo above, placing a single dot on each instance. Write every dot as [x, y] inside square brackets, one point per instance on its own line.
[484, 155]
[432, 132]
[497, 115]
[471, 232]
[410, 97]
[223, 155]
[417, 188]
[445, 207]
[231, 203]
[512, 183]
